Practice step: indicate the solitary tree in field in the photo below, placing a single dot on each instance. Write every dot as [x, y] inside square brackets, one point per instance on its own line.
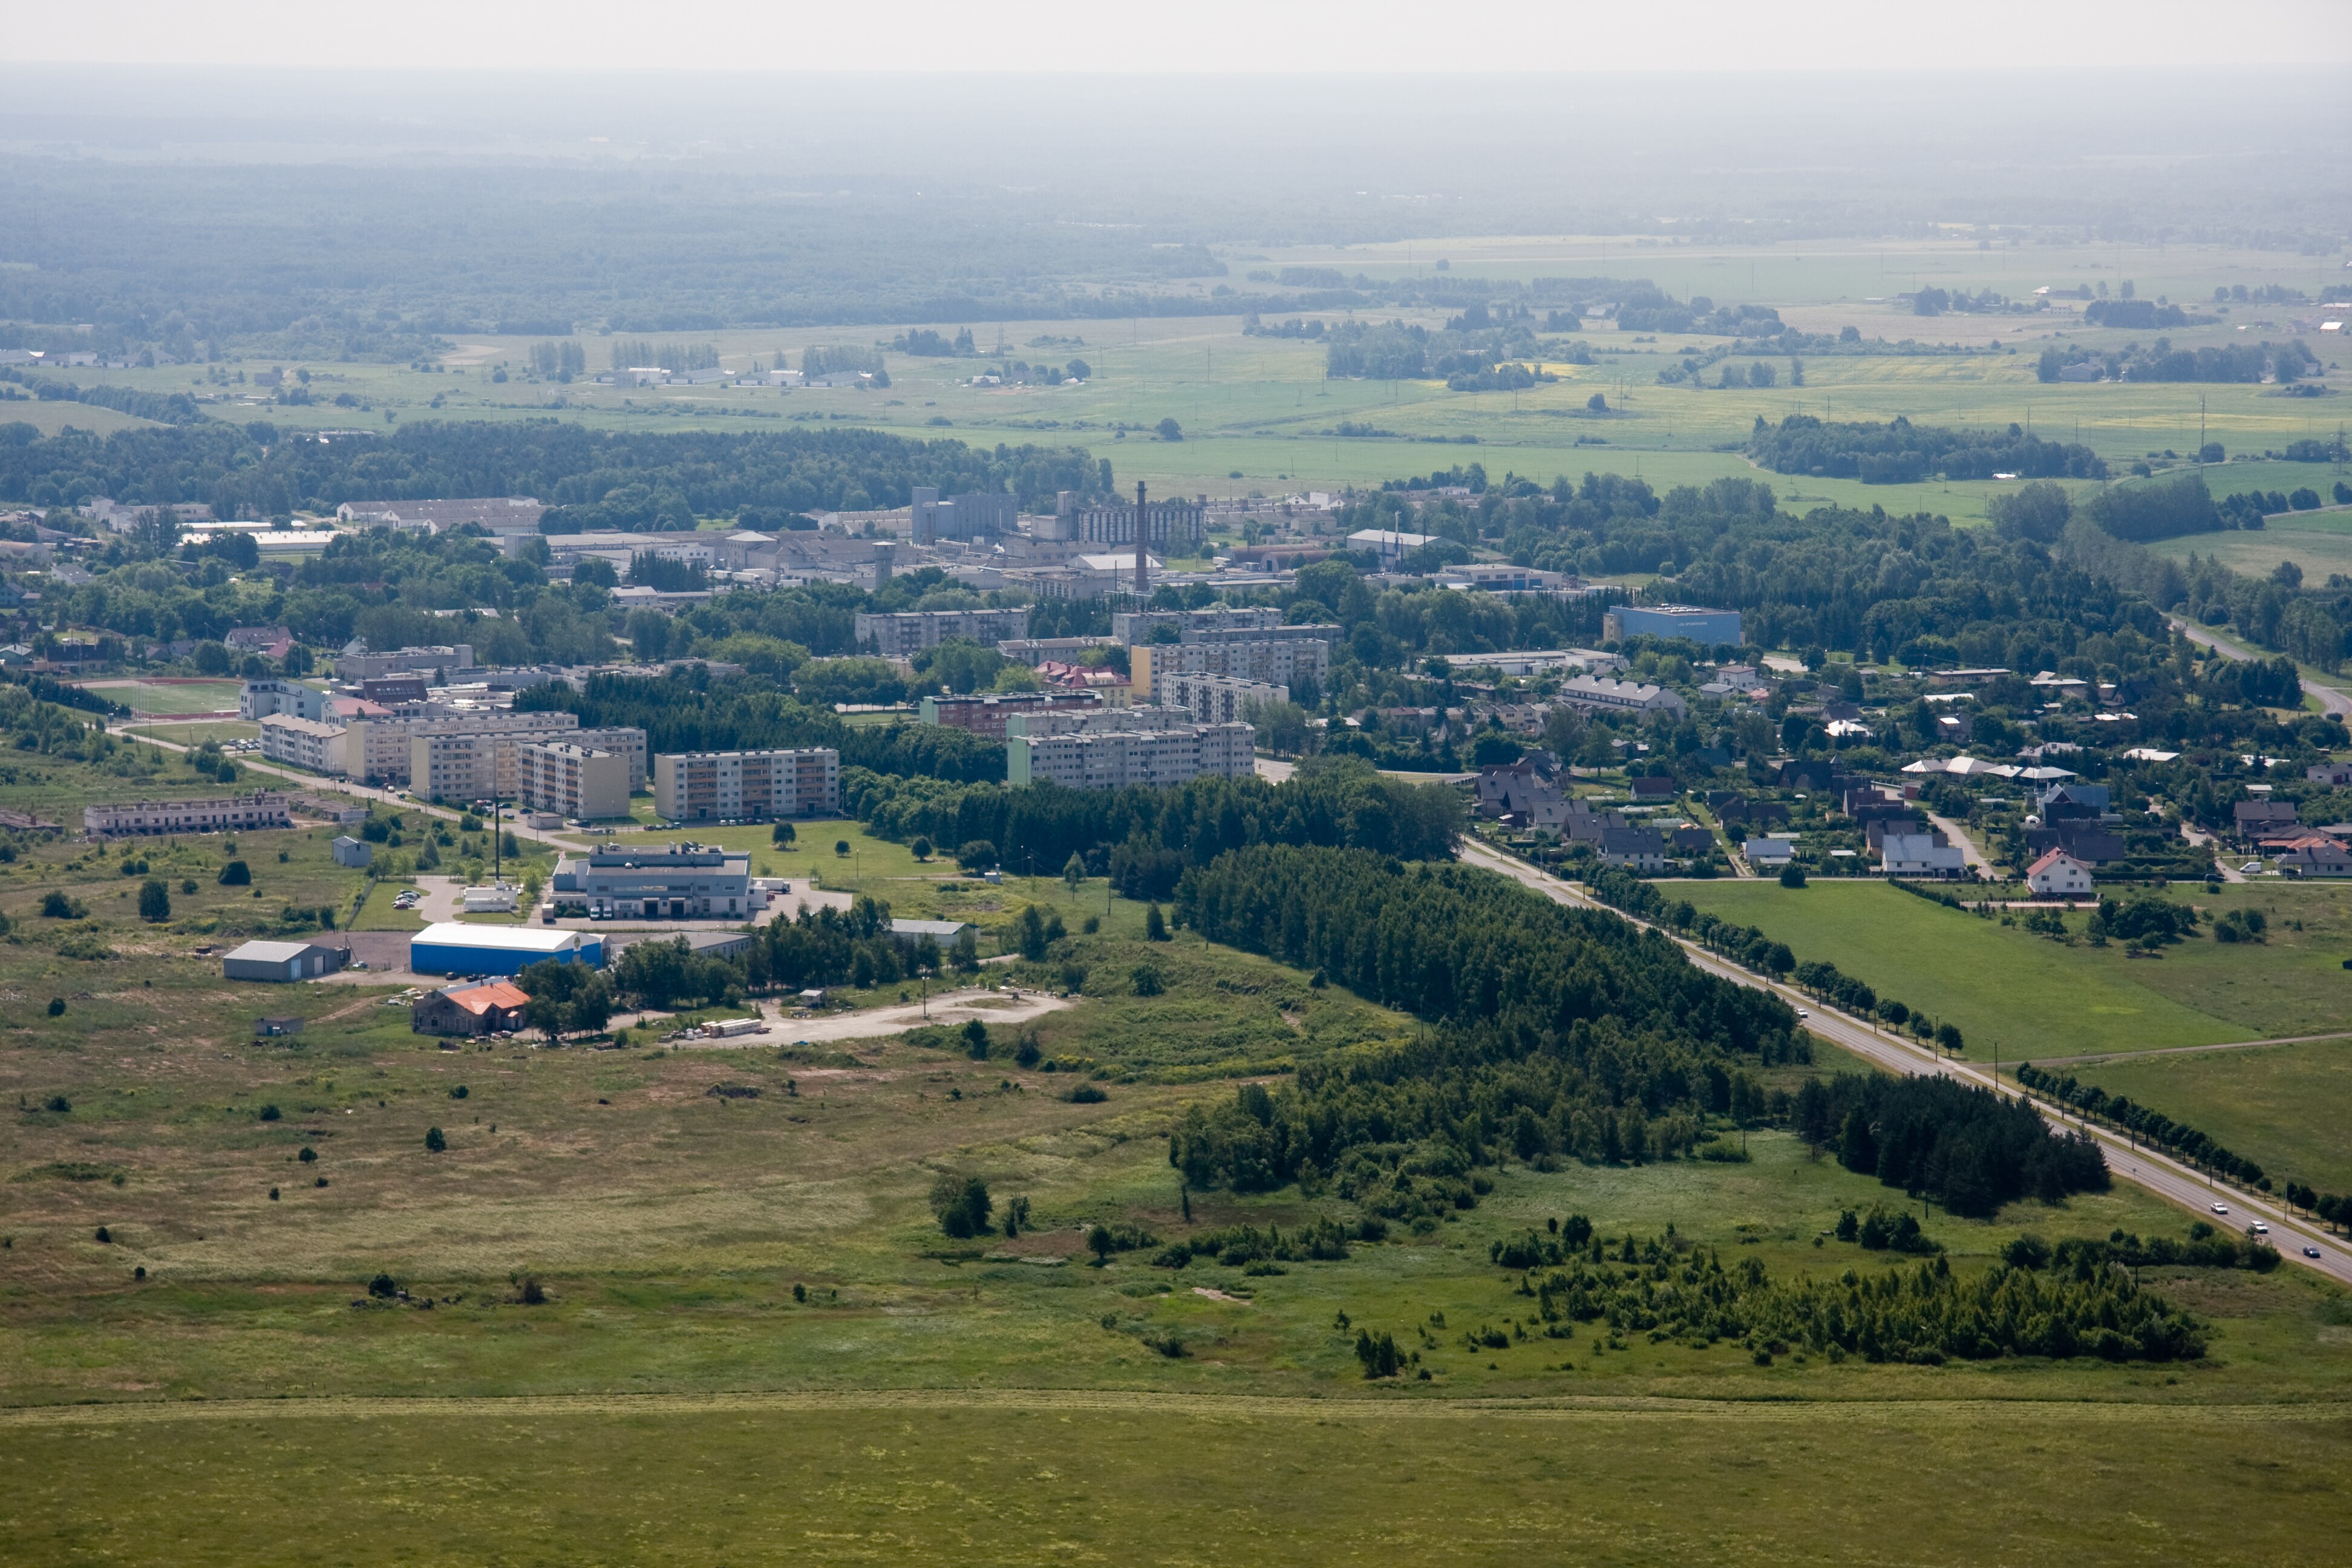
[921, 848]
[783, 835]
[433, 1140]
[1074, 870]
[154, 902]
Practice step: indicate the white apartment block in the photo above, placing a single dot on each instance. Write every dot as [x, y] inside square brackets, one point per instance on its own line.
[1119, 747]
[379, 750]
[260, 698]
[262, 808]
[744, 787]
[305, 743]
[458, 760]
[912, 631]
[580, 782]
[1212, 699]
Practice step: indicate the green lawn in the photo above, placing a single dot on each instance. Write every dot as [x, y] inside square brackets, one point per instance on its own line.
[2037, 998]
[173, 697]
[1039, 1479]
[2288, 1108]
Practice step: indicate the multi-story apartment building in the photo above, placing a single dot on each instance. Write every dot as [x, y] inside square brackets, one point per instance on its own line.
[1132, 626]
[986, 714]
[1122, 746]
[1276, 658]
[303, 743]
[262, 808]
[1213, 699]
[260, 698]
[745, 786]
[454, 760]
[580, 783]
[912, 631]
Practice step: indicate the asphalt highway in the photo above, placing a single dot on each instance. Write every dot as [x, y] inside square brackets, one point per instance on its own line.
[2158, 1173]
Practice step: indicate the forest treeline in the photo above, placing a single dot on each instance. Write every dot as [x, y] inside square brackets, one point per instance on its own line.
[1145, 839]
[1898, 452]
[592, 479]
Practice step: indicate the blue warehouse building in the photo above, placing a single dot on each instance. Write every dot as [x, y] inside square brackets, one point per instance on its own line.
[449, 948]
[1708, 628]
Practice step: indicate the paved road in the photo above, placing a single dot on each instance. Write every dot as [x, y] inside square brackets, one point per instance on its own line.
[2166, 1177]
[2330, 699]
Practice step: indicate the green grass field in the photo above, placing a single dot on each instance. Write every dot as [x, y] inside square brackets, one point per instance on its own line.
[2285, 1106]
[171, 697]
[2037, 998]
[752, 1318]
[1040, 1478]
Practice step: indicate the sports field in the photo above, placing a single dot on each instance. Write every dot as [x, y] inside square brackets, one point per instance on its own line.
[168, 696]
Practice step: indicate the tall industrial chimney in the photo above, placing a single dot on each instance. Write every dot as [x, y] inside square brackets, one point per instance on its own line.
[1142, 561]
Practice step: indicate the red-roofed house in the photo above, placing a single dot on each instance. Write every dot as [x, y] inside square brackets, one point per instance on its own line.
[470, 1009]
[2059, 874]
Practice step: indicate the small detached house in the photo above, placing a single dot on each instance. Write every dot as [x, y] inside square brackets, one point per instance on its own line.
[2059, 874]
[469, 1009]
[1924, 854]
[1770, 854]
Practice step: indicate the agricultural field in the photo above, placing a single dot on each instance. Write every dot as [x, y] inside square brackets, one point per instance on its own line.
[2067, 1000]
[1259, 414]
[2318, 543]
[2287, 1106]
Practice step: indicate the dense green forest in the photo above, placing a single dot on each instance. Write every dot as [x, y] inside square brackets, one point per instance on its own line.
[593, 479]
[1144, 839]
[1898, 452]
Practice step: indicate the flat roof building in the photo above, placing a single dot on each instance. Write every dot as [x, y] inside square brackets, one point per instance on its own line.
[580, 782]
[1118, 747]
[282, 961]
[260, 698]
[307, 744]
[262, 808]
[747, 786]
[912, 631]
[1708, 628]
[986, 713]
[1213, 699]
[675, 881]
[449, 948]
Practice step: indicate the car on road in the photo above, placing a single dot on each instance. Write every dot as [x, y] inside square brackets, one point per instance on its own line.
[2221, 1208]
[2258, 1228]
[1803, 1014]
[2311, 1252]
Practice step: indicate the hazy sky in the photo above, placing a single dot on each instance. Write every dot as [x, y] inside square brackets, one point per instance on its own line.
[1188, 36]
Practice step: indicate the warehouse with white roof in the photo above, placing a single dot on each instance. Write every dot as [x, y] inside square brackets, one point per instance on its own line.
[452, 948]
